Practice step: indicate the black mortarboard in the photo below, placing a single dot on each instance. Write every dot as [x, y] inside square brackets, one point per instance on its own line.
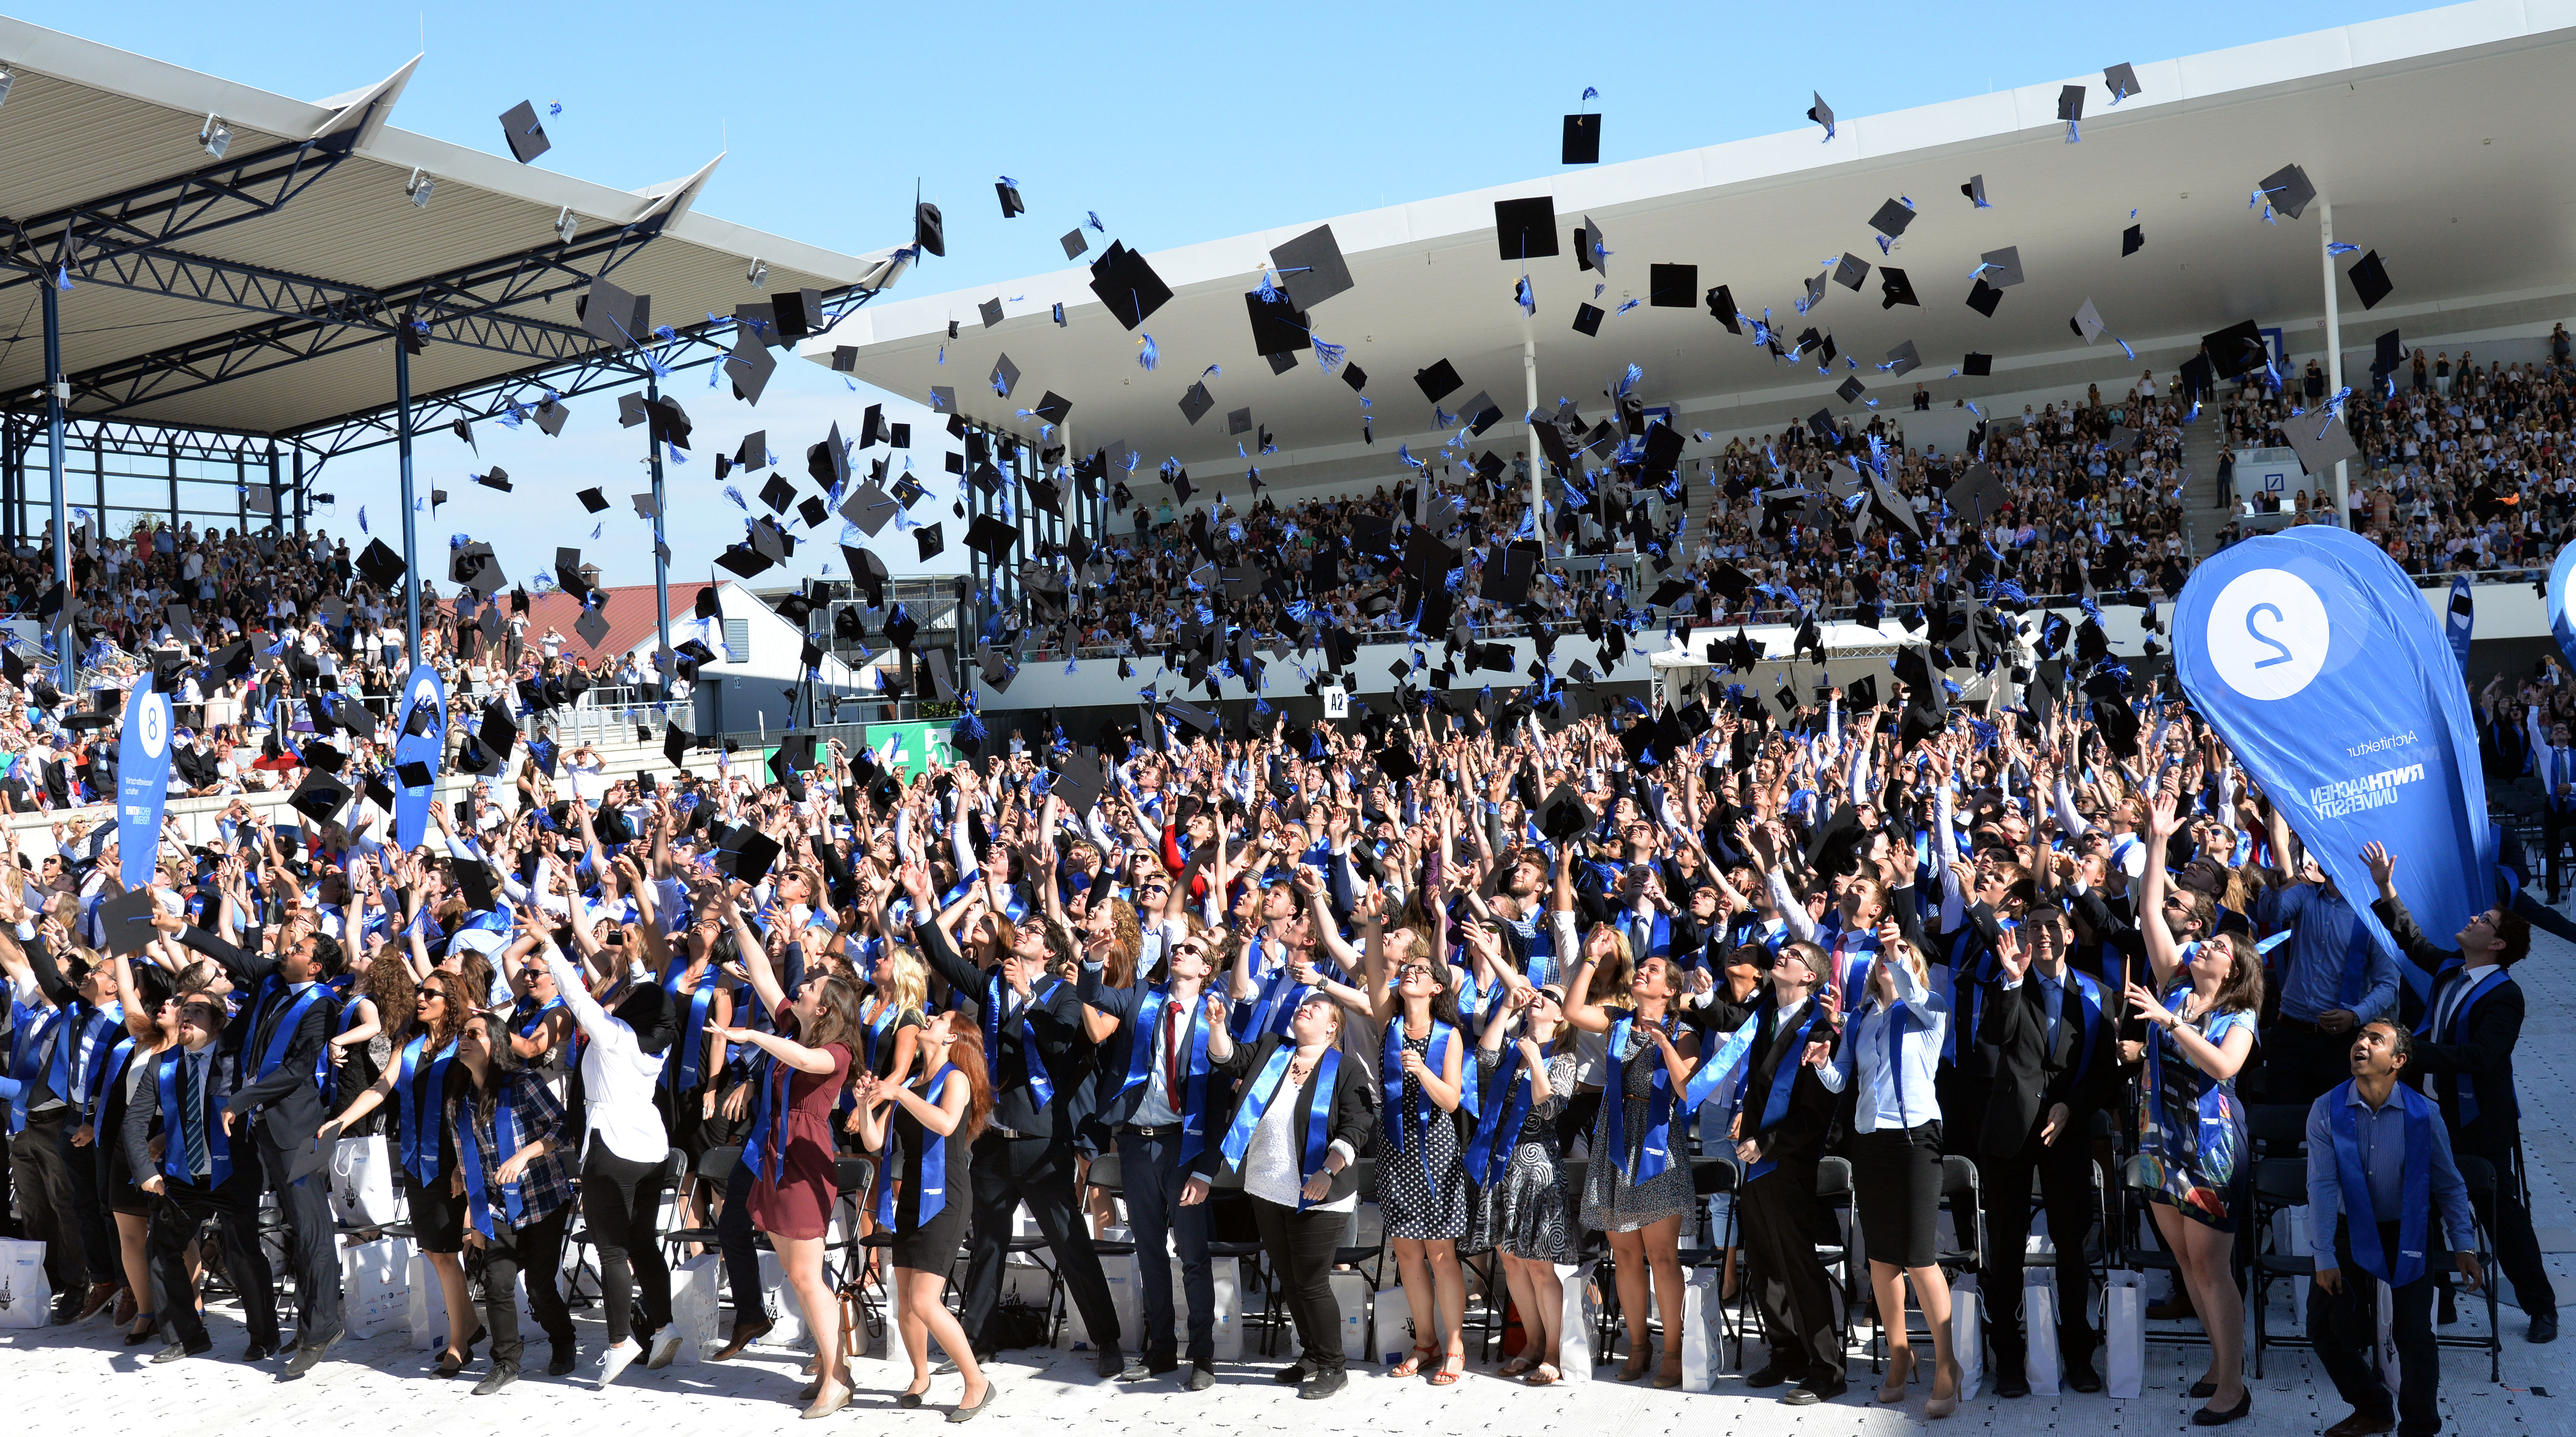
[2235, 349]
[592, 500]
[1004, 378]
[1984, 297]
[1437, 382]
[930, 541]
[1582, 140]
[2370, 280]
[1851, 271]
[749, 853]
[777, 494]
[2387, 354]
[1672, 286]
[2287, 190]
[1525, 229]
[1587, 319]
[1311, 267]
[1894, 288]
[1975, 190]
[525, 133]
[1196, 402]
[380, 565]
[1127, 285]
[1278, 326]
[613, 316]
[2121, 81]
[1851, 389]
[2132, 240]
[1977, 364]
[2070, 103]
[496, 478]
[319, 796]
[1564, 815]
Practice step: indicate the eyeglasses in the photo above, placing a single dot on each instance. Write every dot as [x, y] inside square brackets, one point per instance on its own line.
[432, 995]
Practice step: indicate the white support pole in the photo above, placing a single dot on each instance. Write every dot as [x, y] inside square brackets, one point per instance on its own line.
[1536, 458]
[2334, 347]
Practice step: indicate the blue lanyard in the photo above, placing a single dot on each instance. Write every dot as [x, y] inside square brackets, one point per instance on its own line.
[284, 1032]
[505, 1141]
[1784, 1078]
[685, 1062]
[1653, 1152]
[2466, 1084]
[1391, 1078]
[1503, 1119]
[1040, 1085]
[1256, 1103]
[419, 1130]
[1191, 1103]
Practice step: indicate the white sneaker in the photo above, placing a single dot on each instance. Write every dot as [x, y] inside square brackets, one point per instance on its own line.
[614, 1361]
[666, 1346]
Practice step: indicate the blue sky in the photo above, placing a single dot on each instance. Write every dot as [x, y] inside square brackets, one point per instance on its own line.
[1176, 123]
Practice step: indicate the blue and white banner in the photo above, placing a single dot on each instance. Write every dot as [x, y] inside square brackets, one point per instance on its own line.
[142, 782]
[2561, 627]
[421, 688]
[2463, 621]
[2314, 657]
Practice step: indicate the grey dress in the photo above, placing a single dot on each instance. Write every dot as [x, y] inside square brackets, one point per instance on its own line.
[1530, 1214]
[1610, 1202]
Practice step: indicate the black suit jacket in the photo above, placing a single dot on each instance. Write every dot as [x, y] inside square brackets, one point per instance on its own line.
[1799, 1137]
[1354, 1118]
[2032, 1074]
[1053, 1014]
[2484, 1053]
[290, 1104]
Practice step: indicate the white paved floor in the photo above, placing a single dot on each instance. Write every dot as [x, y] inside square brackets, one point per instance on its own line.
[380, 1387]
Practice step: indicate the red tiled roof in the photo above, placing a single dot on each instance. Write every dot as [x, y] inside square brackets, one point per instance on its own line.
[629, 611]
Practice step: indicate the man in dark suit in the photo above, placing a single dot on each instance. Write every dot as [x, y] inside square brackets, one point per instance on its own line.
[2463, 1053]
[1040, 1053]
[1786, 1110]
[198, 1174]
[290, 1015]
[2053, 1036]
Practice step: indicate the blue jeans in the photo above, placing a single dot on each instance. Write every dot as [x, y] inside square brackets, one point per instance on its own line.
[1149, 1171]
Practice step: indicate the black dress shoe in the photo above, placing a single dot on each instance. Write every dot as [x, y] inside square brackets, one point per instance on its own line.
[1201, 1378]
[259, 1351]
[1293, 1373]
[1765, 1376]
[1112, 1363]
[177, 1350]
[1323, 1385]
[567, 1356]
[2080, 1374]
[2204, 1390]
[1160, 1365]
[2204, 1417]
[502, 1375]
[1810, 1394]
[2011, 1381]
[2544, 1327]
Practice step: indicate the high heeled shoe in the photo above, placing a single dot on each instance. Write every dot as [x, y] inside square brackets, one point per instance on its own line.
[1900, 1370]
[1937, 1407]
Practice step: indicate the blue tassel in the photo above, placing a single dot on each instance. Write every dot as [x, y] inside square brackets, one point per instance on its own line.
[1329, 356]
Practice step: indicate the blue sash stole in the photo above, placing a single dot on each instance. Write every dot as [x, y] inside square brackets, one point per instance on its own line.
[684, 1063]
[934, 1163]
[2361, 1218]
[1040, 1084]
[505, 1141]
[1391, 1081]
[1256, 1103]
[1784, 1080]
[1497, 1117]
[2466, 1084]
[419, 1130]
[2090, 1000]
[873, 1032]
[117, 1058]
[526, 1027]
[174, 1149]
[1653, 1153]
[284, 1032]
[769, 1119]
[1965, 981]
[1191, 1103]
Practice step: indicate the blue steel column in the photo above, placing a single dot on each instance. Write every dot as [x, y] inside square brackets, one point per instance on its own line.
[661, 549]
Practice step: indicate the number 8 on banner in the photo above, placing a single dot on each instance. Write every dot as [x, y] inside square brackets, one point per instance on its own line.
[2268, 634]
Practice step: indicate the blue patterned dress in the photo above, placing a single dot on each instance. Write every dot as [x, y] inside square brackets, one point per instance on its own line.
[2191, 1140]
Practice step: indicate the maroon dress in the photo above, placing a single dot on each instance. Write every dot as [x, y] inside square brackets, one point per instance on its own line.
[795, 1199]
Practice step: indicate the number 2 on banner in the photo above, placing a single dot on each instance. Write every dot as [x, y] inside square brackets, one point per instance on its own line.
[2268, 634]
[2280, 652]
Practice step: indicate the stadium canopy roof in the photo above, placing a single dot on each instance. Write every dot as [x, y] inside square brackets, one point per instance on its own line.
[259, 292]
[2431, 136]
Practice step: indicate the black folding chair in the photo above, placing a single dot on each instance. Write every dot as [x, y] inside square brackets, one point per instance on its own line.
[2479, 1176]
[2279, 1183]
[715, 1169]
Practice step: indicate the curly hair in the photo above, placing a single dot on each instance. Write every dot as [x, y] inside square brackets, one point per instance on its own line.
[966, 1055]
[389, 985]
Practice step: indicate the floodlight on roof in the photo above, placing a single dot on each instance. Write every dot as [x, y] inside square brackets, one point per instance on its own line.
[215, 136]
[567, 225]
[418, 187]
[8, 77]
[758, 274]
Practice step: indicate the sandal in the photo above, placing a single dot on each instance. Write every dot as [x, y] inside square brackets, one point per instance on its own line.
[1411, 1365]
[1452, 1367]
[1639, 1359]
[1543, 1375]
[1514, 1367]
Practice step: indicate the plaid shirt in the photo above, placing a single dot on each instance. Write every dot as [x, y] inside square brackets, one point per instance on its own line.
[546, 1184]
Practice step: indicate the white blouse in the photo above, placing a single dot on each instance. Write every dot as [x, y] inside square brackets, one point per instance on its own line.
[618, 1077]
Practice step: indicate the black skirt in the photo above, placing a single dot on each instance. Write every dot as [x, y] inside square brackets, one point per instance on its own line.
[1896, 1180]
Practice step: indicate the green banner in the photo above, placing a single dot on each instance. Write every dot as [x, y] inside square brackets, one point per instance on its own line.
[915, 745]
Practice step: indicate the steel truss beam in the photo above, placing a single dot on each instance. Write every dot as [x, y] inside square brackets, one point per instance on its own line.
[167, 211]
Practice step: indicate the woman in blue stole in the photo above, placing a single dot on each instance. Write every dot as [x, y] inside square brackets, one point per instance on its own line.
[2191, 1130]
[1422, 1183]
[1638, 1187]
[923, 1135]
[1515, 1157]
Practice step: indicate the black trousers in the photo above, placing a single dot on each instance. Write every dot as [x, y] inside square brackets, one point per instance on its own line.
[312, 1252]
[2345, 1326]
[1150, 1173]
[45, 1208]
[2517, 1248]
[1782, 1224]
[175, 1218]
[2065, 1170]
[620, 1200]
[537, 1251]
[1038, 1172]
[1301, 1247]
[98, 1238]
